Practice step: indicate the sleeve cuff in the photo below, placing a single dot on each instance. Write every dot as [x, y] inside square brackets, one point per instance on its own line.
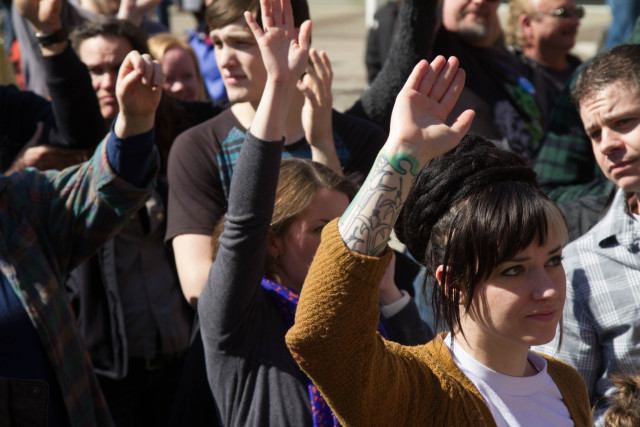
[394, 308]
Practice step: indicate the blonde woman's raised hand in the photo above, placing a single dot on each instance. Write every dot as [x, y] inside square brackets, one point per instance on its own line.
[317, 112]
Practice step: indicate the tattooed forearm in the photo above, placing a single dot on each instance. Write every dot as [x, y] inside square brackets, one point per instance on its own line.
[367, 223]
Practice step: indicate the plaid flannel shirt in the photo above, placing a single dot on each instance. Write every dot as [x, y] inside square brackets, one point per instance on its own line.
[50, 222]
[601, 330]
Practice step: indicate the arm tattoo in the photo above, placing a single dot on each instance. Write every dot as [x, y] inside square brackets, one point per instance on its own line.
[366, 225]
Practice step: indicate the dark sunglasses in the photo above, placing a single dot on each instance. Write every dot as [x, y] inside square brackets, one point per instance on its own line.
[566, 13]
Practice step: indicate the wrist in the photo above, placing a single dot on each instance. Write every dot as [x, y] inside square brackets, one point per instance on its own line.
[391, 295]
[132, 16]
[129, 126]
[53, 39]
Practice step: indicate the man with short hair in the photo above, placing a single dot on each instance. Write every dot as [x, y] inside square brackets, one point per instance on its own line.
[511, 99]
[601, 331]
[202, 158]
[139, 343]
[72, 14]
[102, 45]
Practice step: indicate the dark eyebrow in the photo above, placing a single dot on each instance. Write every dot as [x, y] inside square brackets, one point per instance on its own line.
[552, 251]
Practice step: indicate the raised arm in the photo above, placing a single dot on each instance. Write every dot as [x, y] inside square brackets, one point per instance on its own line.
[93, 200]
[418, 134]
[78, 122]
[233, 286]
[334, 338]
[317, 111]
[417, 25]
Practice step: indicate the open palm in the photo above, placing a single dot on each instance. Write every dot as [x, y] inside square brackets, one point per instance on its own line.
[418, 120]
[284, 51]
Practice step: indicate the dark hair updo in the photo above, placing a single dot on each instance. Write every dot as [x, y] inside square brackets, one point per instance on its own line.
[470, 210]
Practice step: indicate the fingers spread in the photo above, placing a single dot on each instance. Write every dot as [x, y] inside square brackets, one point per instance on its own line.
[463, 123]
[416, 76]
[450, 97]
[253, 25]
[431, 74]
[444, 79]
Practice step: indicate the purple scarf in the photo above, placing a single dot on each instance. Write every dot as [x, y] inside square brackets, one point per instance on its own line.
[286, 301]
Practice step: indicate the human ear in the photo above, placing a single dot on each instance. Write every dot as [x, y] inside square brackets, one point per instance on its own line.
[439, 273]
[524, 21]
[445, 286]
[274, 246]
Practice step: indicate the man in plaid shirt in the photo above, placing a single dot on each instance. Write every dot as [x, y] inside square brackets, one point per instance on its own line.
[601, 331]
[50, 222]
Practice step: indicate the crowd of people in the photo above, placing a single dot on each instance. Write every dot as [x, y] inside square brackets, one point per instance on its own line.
[195, 236]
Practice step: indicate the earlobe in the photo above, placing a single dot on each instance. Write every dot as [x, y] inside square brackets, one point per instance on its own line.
[273, 246]
[439, 274]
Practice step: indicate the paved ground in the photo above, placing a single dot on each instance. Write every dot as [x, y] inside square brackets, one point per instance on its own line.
[339, 28]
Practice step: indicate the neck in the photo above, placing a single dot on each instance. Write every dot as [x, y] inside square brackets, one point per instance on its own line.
[556, 60]
[633, 205]
[284, 281]
[502, 357]
[246, 111]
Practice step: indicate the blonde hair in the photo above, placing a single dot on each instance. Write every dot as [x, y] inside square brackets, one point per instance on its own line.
[298, 183]
[160, 43]
[513, 33]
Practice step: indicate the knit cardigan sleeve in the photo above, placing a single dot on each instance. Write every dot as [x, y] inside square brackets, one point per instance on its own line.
[365, 379]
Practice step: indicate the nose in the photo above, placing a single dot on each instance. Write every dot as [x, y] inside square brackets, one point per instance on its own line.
[108, 81]
[548, 286]
[610, 142]
[225, 56]
[177, 86]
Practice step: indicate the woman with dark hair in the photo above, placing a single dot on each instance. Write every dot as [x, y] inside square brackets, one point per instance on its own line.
[271, 232]
[491, 242]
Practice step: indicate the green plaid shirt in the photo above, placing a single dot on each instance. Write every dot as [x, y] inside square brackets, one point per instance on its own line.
[50, 222]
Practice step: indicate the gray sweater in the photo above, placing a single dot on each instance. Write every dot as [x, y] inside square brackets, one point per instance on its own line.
[252, 375]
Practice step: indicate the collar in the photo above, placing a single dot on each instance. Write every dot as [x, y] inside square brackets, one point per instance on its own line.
[619, 226]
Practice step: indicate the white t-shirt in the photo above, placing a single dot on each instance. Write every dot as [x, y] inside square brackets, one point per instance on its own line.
[515, 401]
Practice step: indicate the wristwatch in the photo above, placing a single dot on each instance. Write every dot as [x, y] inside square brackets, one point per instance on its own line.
[52, 38]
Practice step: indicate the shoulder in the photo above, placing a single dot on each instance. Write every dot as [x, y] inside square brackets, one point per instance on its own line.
[600, 246]
[561, 371]
[573, 389]
[209, 133]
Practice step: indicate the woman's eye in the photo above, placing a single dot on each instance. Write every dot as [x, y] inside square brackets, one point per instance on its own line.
[555, 261]
[512, 271]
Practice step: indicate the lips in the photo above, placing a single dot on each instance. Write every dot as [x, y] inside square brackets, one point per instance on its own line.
[619, 167]
[234, 78]
[108, 99]
[544, 316]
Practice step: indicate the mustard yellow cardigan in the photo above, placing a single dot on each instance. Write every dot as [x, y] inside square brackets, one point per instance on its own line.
[369, 381]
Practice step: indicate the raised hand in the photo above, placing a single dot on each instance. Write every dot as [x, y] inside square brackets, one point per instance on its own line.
[284, 50]
[44, 15]
[134, 10]
[317, 110]
[418, 133]
[418, 125]
[138, 89]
